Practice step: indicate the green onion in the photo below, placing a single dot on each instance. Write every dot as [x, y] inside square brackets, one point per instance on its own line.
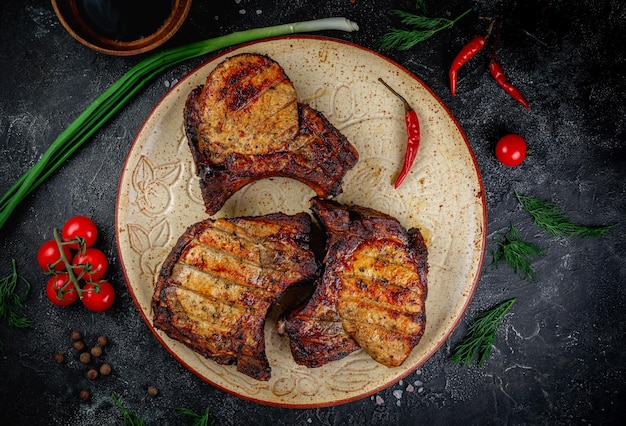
[116, 96]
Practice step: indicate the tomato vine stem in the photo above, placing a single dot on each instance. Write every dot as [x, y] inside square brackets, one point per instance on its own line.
[69, 267]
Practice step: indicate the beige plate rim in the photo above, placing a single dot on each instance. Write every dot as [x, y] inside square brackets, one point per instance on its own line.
[478, 206]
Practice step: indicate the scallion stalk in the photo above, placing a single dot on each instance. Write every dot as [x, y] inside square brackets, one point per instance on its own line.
[117, 95]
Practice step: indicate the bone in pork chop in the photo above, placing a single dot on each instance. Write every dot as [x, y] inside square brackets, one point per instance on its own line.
[371, 294]
[245, 123]
[215, 287]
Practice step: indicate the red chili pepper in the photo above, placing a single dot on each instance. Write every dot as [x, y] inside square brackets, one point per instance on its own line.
[413, 136]
[498, 74]
[468, 52]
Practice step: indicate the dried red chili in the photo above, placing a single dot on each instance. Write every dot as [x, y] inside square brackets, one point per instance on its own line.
[495, 69]
[468, 52]
[413, 136]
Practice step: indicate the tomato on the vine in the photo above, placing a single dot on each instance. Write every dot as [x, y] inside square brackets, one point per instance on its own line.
[511, 150]
[50, 255]
[90, 264]
[72, 249]
[98, 297]
[60, 290]
[80, 227]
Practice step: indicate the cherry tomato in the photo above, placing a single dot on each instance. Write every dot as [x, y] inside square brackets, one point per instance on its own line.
[49, 254]
[80, 227]
[92, 264]
[60, 290]
[511, 150]
[98, 297]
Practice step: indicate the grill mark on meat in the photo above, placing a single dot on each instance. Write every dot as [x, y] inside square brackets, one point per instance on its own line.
[246, 84]
[214, 286]
[218, 282]
[373, 285]
[207, 310]
[241, 106]
[245, 124]
[236, 255]
[266, 123]
[226, 266]
[368, 311]
[383, 294]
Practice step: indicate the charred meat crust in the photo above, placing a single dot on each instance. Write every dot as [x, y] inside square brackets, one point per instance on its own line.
[371, 294]
[231, 149]
[215, 287]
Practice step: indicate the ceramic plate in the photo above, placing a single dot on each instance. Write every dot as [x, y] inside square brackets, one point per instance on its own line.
[159, 198]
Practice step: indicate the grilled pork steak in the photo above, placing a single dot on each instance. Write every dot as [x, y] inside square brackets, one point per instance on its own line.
[217, 284]
[245, 124]
[371, 294]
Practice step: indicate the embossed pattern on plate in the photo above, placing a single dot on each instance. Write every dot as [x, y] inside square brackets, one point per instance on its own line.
[159, 197]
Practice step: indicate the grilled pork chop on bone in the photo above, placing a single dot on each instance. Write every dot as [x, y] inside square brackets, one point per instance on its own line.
[371, 294]
[245, 123]
[217, 284]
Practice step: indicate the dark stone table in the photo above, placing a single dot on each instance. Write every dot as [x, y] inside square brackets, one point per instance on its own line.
[559, 356]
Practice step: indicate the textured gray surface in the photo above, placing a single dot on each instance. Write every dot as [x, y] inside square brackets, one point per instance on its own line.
[559, 357]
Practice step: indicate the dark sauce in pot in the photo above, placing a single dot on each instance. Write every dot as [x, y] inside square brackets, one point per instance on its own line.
[125, 20]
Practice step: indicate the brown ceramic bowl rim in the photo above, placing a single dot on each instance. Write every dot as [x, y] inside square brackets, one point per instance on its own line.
[67, 12]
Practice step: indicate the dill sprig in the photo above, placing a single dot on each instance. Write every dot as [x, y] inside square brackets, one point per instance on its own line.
[517, 253]
[11, 300]
[551, 218]
[481, 335]
[130, 418]
[195, 418]
[418, 28]
[420, 5]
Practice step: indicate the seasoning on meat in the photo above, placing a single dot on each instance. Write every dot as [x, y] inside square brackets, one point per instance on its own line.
[371, 294]
[217, 284]
[245, 123]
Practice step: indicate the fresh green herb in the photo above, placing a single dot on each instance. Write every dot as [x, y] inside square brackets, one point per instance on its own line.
[420, 5]
[517, 253]
[130, 418]
[197, 419]
[551, 218]
[11, 300]
[420, 28]
[481, 335]
[116, 96]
